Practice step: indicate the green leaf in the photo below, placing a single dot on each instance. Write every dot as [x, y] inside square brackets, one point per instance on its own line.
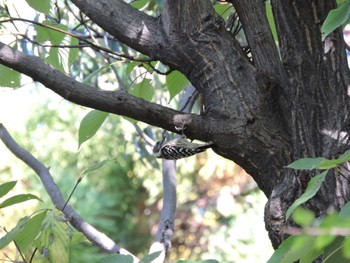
[344, 157]
[334, 252]
[176, 82]
[96, 166]
[6, 187]
[270, 19]
[78, 237]
[9, 77]
[151, 257]
[42, 6]
[130, 67]
[143, 90]
[18, 199]
[222, 9]
[73, 52]
[323, 240]
[306, 163]
[30, 231]
[329, 164]
[303, 217]
[312, 188]
[55, 59]
[55, 236]
[116, 258]
[292, 249]
[13, 233]
[54, 36]
[336, 18]
[139, 4]
[90, 125]
[346, 247]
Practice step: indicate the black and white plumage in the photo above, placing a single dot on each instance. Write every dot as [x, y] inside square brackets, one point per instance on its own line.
[178, 148]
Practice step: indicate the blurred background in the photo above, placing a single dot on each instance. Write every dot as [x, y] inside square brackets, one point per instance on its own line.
[219, 213]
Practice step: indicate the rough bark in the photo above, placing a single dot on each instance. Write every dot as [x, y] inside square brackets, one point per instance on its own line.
[282, 105]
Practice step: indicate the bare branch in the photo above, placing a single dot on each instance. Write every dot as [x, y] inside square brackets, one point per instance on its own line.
[92, 234]
[252, 15]
[126, 23]
[317, 231]
[166, 226]
[118, 102]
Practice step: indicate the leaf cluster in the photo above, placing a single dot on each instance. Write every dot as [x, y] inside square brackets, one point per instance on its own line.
[326, 237]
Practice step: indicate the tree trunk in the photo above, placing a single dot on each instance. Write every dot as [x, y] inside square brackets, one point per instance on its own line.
[262, 112]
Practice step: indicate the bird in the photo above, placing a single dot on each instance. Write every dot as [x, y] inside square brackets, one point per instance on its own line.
[178, 148]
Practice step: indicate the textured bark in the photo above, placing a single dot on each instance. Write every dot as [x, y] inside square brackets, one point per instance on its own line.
[282, 105]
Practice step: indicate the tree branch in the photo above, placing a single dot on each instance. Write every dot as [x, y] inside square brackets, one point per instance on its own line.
[127, 24]
[92, 234]
[117, 102]
[252, 15]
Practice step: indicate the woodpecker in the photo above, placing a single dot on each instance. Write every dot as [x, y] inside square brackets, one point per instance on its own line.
[178, 148]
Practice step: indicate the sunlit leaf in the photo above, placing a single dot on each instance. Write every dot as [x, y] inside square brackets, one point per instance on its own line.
[176, 82]
[306, 163]
[143, 90]
[9, 77]
[54, 36]
[336, 18]
[139, 4]
[54, 239]
[222, 9]
[42, 6]
[90, 125]
[18, 199]
[312, 188]
[6, 187]
[13, 233]
[30, 231]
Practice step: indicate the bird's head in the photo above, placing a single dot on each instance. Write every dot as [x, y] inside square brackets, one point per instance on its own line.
[157, 148]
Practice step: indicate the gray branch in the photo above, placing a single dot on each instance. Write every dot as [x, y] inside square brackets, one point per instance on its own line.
[92, 234]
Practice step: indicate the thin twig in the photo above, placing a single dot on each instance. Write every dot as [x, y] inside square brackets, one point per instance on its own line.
[316, 231]
[94, 46]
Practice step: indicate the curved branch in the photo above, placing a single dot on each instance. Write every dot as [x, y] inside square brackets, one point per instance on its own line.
[126, 23]
[117, 102]
[96, 237]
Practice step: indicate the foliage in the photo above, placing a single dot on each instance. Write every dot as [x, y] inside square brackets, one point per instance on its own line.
[326, 237]
[336, 18]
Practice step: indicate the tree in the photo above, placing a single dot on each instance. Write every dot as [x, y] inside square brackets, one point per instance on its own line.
[262, 109]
